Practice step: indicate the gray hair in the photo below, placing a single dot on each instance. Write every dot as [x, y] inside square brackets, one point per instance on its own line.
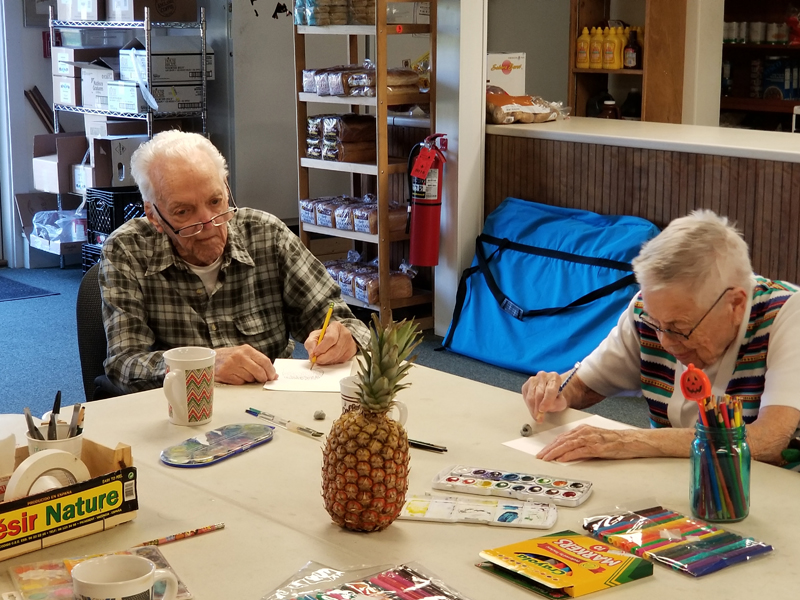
[702, 250]
[167, 145]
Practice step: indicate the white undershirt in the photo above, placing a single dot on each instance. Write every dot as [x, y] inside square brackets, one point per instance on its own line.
[208, 275]
[614, 366]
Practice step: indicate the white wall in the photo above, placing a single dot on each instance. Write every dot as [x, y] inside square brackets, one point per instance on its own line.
[540, 28]
[703, 63]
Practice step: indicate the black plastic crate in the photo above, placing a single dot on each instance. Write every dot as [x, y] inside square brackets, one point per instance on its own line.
[108, 208]
[90, 253]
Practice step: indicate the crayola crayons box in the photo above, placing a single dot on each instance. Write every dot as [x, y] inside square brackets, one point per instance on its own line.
[564, 564]
[105, 500]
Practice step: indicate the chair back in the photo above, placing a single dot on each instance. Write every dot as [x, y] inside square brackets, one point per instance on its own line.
[92, 344]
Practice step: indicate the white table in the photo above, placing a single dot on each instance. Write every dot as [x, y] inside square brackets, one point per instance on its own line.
[270, 501]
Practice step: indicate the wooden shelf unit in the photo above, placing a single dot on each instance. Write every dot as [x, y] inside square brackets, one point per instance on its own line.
[662, 72]
[380, 176]
[758, 105]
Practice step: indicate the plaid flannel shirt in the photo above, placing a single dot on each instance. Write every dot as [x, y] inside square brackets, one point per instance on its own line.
[269, 286]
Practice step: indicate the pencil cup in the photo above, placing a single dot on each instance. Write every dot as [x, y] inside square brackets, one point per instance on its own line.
[120, 577]
[349, 389]
[720, 474]
[189, 384]
[67, 444]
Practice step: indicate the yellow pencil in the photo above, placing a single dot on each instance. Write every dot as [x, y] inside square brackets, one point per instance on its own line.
[322, 332]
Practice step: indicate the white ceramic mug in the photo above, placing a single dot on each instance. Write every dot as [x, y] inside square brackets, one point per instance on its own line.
[120, 577]
[189, 384]
[349, 389]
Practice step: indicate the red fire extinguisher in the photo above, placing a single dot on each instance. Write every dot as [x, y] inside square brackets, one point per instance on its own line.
[425, 166]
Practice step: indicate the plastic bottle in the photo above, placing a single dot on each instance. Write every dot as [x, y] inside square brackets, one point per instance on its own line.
[582, 50]
[596, 50]
[618, 51]
[610, 43]
[627, 33]
[610, 110]
[632, 55]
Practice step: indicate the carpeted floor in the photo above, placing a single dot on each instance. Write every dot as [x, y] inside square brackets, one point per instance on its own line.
[14, 290]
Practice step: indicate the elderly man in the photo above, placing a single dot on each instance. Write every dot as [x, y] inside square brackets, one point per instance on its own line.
[198, 271]
[699, 304]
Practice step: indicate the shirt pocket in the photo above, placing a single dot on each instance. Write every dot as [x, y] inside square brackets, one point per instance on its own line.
[253, 324]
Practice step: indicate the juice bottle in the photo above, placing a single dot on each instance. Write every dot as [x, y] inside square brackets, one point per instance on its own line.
[596, 50]
[582, 50]
[610, 43]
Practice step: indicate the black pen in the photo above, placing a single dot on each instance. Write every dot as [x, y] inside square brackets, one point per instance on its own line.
[426, 446]
[52, 426]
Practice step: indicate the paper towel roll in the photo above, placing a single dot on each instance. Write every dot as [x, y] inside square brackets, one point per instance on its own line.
[63, 466]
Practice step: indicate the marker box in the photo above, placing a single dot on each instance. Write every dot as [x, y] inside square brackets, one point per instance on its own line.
[486, 511]
[510, 484]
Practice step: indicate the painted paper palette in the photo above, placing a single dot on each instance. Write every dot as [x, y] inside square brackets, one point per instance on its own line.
[216, 445]
[454, 509]
[524, 486]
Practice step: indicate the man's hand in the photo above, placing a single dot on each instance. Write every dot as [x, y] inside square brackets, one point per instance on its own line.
[336, 347]
[242, 364]
[541, 395]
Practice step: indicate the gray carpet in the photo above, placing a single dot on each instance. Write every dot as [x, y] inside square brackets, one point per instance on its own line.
[14, 290]
[39, 352]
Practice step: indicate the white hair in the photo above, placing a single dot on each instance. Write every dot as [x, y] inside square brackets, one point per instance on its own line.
[169, 145]
[702, 250]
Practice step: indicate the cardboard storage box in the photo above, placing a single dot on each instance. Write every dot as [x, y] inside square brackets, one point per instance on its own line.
[53, 155]
[126, 97]
[83, 176]
[64, 59]
[173, 59]
[94, 81]
[112, 158]
[67, 91]
[29, 204]
[81, 10]
[102, 126]
[61, 515]
[160, 10]
[507, 70]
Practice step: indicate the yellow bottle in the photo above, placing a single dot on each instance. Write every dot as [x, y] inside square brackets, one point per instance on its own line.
[596, 49]
[619, 51]
[610, 43]
[582, 50]
[640, 36]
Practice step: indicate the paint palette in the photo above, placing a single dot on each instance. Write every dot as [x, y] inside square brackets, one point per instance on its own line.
[524, 486]
[454, 509]
[216, 445]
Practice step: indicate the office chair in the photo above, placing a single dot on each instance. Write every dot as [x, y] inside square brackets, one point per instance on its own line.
[92, 343]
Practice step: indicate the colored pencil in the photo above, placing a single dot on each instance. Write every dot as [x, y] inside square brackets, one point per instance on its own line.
[186, 534]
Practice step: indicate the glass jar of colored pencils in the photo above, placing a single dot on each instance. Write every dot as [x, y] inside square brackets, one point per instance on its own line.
[720, 473]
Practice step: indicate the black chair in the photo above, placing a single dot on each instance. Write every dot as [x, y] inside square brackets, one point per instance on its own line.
[92, 344]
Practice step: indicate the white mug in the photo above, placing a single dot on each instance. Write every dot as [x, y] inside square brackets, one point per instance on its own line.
[189, 384]
[349, 389]
[120, 577]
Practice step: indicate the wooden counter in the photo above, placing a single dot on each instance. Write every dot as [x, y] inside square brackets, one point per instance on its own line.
[659, 172]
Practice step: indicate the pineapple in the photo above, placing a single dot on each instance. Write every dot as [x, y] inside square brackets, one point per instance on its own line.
[365, 458]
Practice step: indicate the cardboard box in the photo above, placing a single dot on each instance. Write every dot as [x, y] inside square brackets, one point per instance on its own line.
[64, 59]
[67, 91]
[84, 176]
[64, 514]
[53, 154]
[102, 126]
[81, 10]
[173, 59]
[160, 10]
[94, 79]
[28, 205]
[126, 97]
[507, 70]
[112, 158]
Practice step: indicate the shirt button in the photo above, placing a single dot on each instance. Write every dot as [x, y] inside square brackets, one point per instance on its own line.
[213, 327]
[199, 291]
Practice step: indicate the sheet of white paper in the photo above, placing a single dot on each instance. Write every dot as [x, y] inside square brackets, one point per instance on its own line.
[295, 376]
[536, 442]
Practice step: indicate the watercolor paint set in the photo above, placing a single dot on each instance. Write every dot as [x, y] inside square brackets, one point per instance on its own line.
[216, 445]
[487, 511]
[51, 579]
[683, 543]
[510, 484]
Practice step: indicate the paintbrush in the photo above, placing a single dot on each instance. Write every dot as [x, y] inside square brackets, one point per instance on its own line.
[52, 426]
[33, 430]
[73, 424]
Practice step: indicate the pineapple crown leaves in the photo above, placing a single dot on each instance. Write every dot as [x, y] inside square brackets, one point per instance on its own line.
[382, 367]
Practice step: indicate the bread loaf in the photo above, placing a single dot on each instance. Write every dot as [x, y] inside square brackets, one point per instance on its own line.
[504, 109]
[348, 151]
[344, 214]
[314, 148]
[348, 274]
[366, 286]
[349, 128]
[325, 208]
[308, 213]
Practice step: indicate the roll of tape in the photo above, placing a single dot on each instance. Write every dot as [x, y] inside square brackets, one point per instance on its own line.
[63, 466]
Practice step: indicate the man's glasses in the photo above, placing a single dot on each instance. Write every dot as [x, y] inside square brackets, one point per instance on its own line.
[216, 221]
[646, 320]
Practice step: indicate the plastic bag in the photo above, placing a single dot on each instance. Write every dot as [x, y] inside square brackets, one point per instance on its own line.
[349, 128]
[60, 226]
[300, 12]
[503, 109]
[348, 151]
[410, 580]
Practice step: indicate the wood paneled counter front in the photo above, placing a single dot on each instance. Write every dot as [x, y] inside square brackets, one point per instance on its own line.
[658, 171]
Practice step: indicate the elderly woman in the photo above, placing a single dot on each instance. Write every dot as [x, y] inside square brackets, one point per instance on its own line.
[700, 304]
